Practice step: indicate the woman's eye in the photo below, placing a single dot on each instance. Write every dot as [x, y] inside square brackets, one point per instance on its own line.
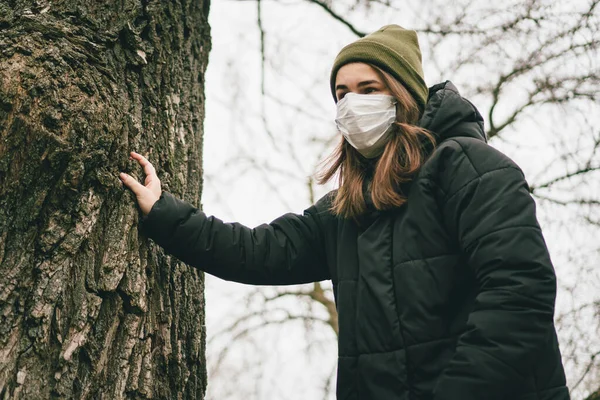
[370, 90]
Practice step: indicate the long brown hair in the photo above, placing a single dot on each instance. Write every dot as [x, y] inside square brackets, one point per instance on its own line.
[402, 157]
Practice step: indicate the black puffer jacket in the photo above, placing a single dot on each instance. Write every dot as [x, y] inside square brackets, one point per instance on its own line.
[450, 297]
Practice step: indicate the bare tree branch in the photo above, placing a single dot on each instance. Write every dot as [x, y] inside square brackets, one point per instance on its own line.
[562, 178]
[262, 45]
[594, 396]
[591, 363]
[337, 17]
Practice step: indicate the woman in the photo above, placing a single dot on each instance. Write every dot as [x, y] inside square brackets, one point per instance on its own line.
[443, 282]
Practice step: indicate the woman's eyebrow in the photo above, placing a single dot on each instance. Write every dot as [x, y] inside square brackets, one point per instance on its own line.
[363, 83]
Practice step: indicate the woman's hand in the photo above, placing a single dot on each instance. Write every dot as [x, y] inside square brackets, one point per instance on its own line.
[148, 193]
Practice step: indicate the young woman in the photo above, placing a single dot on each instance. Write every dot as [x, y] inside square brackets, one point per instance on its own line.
[443, 282]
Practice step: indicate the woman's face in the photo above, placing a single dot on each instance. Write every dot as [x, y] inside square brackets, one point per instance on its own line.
[359, 78]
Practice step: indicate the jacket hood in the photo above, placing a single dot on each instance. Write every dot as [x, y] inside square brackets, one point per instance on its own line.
[447, 114]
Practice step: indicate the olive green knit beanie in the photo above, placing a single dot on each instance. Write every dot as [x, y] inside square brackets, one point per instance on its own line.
[393, 49]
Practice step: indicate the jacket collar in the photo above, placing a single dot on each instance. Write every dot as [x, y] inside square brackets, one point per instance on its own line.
[447, 114]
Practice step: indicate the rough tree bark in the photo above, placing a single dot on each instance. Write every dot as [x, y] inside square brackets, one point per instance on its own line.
[89, 308]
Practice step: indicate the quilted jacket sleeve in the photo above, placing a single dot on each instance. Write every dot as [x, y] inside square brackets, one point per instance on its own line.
[289, 250]
[493, 216]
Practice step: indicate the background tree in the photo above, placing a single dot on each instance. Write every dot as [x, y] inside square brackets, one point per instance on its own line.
[88, 308]
[531, 67]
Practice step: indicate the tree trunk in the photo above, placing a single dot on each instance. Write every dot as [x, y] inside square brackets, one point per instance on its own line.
[89, 308]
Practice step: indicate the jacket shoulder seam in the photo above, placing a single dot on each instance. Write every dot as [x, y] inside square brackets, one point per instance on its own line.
[457, 191]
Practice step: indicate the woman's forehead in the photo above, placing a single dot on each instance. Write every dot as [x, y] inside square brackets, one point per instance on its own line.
[354, 72]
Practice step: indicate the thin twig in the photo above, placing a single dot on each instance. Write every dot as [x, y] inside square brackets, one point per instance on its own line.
[338, 17]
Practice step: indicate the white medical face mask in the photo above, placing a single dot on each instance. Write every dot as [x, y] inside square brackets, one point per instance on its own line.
[366, 120]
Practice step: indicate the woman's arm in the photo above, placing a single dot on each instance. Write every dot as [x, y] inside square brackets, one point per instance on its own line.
[289, 250]
[493, 216]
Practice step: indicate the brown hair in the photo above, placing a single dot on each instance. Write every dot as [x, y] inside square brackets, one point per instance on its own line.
[402, 157]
